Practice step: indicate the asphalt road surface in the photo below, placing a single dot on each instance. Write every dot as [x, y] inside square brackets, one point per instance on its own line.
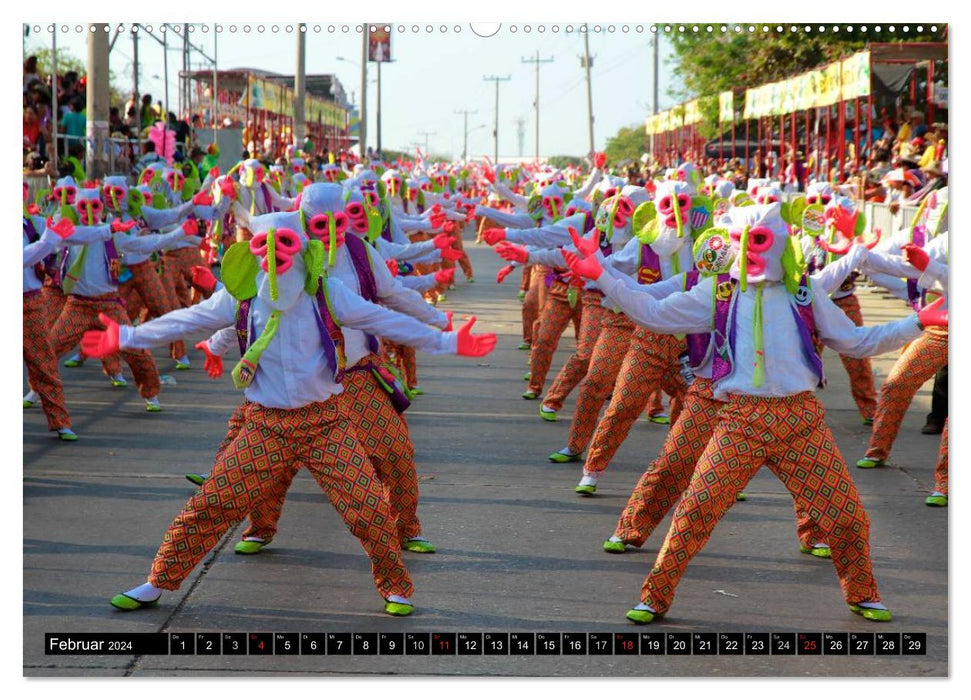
[518, 550]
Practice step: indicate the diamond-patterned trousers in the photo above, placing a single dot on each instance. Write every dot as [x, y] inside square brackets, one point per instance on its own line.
[146, 290]
[857, 368]
[576, 367]
[553, 320]
[272, 442]
[42, 362]
[790, 434]
[940, 473]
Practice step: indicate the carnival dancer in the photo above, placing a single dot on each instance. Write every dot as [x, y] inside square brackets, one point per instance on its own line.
[772, 415]
[276, 295]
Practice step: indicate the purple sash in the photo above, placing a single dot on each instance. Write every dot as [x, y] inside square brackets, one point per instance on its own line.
[697, 342]
[806, 323]
[41, 268]
[386, 229]
[649, 266]
[267, 202]
[721, 361]
[242, 325]
[112, 260]
[357, 249]
[914, 293]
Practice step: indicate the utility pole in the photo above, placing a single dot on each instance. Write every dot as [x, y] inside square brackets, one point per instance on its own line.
[165, 64]
[521, 134]
[300, 88]
[134, 70]
[587, 62]
[657, 39]
[362, 124]
[426, 134]
[379, 106]
[215, 80]
[465, 142]
[495, 131]
[537, 61]
[186, 67]
[98, 102]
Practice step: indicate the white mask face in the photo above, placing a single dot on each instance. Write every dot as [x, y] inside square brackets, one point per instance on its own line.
[673, 203]
[291, 271]
[759, 237]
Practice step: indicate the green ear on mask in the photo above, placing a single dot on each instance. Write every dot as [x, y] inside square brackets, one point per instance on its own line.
[40, 197]
[743, 200]
[158, 201]
[860, 223]
[239, 269]
[314, 257]
[797, 206]
[535, 206]
[375, 223]
[451, 183]
[567, 198]
[710, 233]
[793, 264]
[68, 213]
[382, 190]
[644, 225]
[701, 203]
[813, 219]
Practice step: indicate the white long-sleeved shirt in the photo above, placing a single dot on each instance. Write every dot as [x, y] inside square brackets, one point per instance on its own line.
[787, 369]
[93, 280]
[35, 252]
[293, 370]
[510, 220]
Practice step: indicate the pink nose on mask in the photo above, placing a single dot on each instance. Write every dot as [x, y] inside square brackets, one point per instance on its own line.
[287, 245]
[666, 204]
[95, 208]
[760, 240]
[68, 192]
[319, 226]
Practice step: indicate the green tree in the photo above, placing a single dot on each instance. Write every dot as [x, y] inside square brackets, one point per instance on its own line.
[627, 144]
[564, 161]
[66, 62]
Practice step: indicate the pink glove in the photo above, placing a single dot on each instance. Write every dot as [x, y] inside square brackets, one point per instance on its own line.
[586, 246]
[445, 277]
[442, 241]
[214, 363]
[118, 227]
[392, 267]
[448, 315]
[512, 252]
[933, 315]
[494, 235]
[451, 254]
[470, 345]
[489, 175]
[228, 189]
[203, 199]
[599, 160]
[449, 227]
[588, 268]
[101, 343]
[916, 256]
[214, 171]
[190, 227]
[203, 278]
[63, 228]
[504, 273]
[437, 219]
[33, 209]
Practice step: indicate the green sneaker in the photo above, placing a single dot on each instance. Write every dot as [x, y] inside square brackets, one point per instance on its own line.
[521, 295]
[586, 490]
[523, 346]
[398, 609]
[527, 376]
[872, 614]
[547, 415]
[69, 436]
[417, 390]
[641, 617]
[821, 552]
[740, 496]
[29, 404]
[249, 547]
[869, 463]
[530, 395]
[938, 500]
[73, 363]
[562, 458]
[867, 421]
[614, 547]
[660, 419]
[470, 280]
[118, 381]
[419, 545]
[127, 603]
[197, 479]
[183, 365]
[442, 297]
[153, 407]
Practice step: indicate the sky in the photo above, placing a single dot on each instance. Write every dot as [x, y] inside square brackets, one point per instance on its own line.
[436, 74]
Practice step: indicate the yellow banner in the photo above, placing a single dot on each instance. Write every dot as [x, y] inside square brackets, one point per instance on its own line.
[830, 86]
[855, 74]
[692, 112]
[726, 107]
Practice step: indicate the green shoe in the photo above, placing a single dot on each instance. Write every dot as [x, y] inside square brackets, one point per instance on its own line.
[821, 552]
[527, 376]
[521, 295]
[470, 280]
[417, 390]
[119, 382]
[868, 463]
[442, 297]
[547, 414]
[615, 547]
[127, 603]
[586, 490]
[660, 419]
[867, 421]
[561, 458]
[872, 614]
[523, 346]
[641, 617]
[182, 365]
[530, 395]
[197, 479]
[69, 436]
[420, 546]
[249, 547]
[153, 408]
[73, 363]
[398, 609]
[29, 404]
[740, 496]
[939, 501]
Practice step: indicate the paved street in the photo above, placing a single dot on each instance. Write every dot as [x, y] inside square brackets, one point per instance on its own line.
[518, 550]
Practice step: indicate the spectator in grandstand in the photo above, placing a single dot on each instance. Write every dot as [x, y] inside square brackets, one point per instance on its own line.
[149, 157]
[31, 129]
[68, 92]
[147, 116]
[74, 123]
[31, 75]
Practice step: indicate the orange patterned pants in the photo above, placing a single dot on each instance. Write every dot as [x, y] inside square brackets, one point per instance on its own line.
[42, 362]
[857, 368]
[54, 300]
[576, 367]
[383, 435]
[534, 302]
[917, 364]
[178, 275]
[940, 473]
[270, 444]
[146, 291]
[667, 477]
[404, 360]
[608, 355]
[651, 361]
[553, 320]
[80, 314]
[789, 434]
[458, 244]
